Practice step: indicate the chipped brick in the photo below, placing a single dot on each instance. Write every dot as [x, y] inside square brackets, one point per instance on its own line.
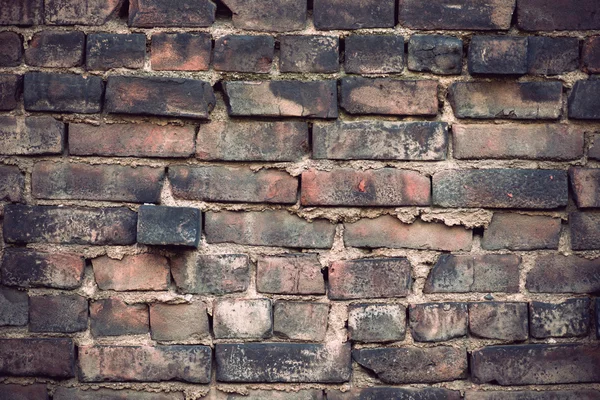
[31, 135]
[290, 274]
[376, 322]
[438, 54]
[499, 320]
[437, 322]
[132, 272]
[56, 49]
[162, 225]
[12, 183]
[11, 49]
[498, 55]
[231, 318]
[114, 317]
[570, 318]
[216, 274]
[309, 53]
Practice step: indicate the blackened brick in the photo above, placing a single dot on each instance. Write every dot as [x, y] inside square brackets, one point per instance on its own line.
[590, 55]
[58, 313]
[81, 12]
[56, 49]
[162, 225]
[569, 318]
[111, 50]
[584, 100]
[309, 53]
[373, 54]
[556, 273]
[186, 13]
[552, 55]
[176, 97]
[52, 358]
[24, 12]
[180, 51]
[585, 234]
[438, 322]
[278, 16]
[585, 184]
[290, 274]
[63, 92]
[12, 183]
[338, 14]
[231, 318]
[216, 274]
[376, 322]
[300, 320]
[66, 393]
[307, 394]
[521, 232]
[499, 320]
[11, 49]
[15, 391]
[132, 272]
[11, 87]
[583, 394]
[242, 53]
[542, 15]
[598, 318]
[438, 54]
[114, 317]
[31, 135]
[179, 321]
[594, 151]
[376, 393]
[498, 55]
[14, 307]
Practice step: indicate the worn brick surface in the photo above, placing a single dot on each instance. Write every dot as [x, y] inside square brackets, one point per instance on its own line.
[180, 51]
[374, 393]
[25, 12]
[554, 273]
[315, 53]
[376, 322]
[374, 54]
[12, 183]
[114, 317]
[594, 150]
[338, 14]
[211, 273]
[58, 313]
[135, 272]
[293, 274]
[438, 54]
[597, 308]
[307, 394]
[584, 230]
[306, 321]
[585, 185]
[63, 92]
[186, 13]
[105, 51]
[11, 49]
[244, 53]
[179, 321]
[35, 136]
[590, 55]
[14, 307]
[552, 55]
[80, 12]
[541, 15]
[499, 320]
[15, 391]
[498, 55]
[229, 316]
[162, 225]
[11, 87]
[584, 101]
[56, 49]
[584, 394]
[64, 393]
[278, 16]
[566, 319]
[437, 322]
[521, 232]
[52, 358]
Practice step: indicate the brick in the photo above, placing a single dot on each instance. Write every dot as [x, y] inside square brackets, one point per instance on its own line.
[356, 15]
[231, 318]
[369, 278]
[159, 13]
[536, 364]
[64, 393]
[180, 51]
[584, 101]
[584, 183]
[176, 97]
[11, 49]
[14, 307]
[81, 12]
[52, 358]
[501, 188]
[50, 180]
[380, 140]
[114, 317]
[508, 141]
[569, 318]
[554, 273]
[438, 54]
[597, 318]
[162, 225]
[521, 232]
[179, 321]
[12, 183]
[376, 322]
[413, 364]
[135, 272]
[261, 362]
[61, 313]
[15, 391]
[297, 320]
[584, 230]
[374, 54]
[106, 51]
[583, 394]
[268, 228]
[279, 16]
[388, 231]
[28, 268]
[498, 55]
[552, 55]
[540, 15]
[232, 184]
[590, 55]
[389, 96]
[479, 274]
[507, 100]
[56, 49]
[10, 91]
[309, 394]
[244, 53]
[63, 92]
[375, 393]
[131, 140]
[438, 322]
[594, 151]
[145, 364]
[315, 99]
[216, 274]
[290, 274]
[69, 225]
[499, 320]
[31, 135]
[25, 12]
[309, 53]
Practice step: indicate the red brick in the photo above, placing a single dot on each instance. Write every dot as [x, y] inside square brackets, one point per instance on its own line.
[231, 318]
[521, 232]
[388, 231]
[186, 13]
[179, 321]
[376, 322]
[290, 274]
[585, 183]
[309, 53]
[14, 307]
[105, 51]
[56, 49]
[348, 187]
[11, 49]
[359, 14]
[114, 317]
[31, 135]
[24, 12]
[437, 322]
[15, 391]
[279, 16]
[570, 318]
[65, 393]
[244, 53]
[52, 358]
[137, 140]
[373, 54]
[136, 272]
[63, 92]
[585, 234]
[211, 273]
[12, 183]
[62, 313]
[81, 12]
[499, 320]
[298, 320]
[498, 55]
[180, 51]
[542, 15]
[555, 273]
[590, 56]
[11, 87]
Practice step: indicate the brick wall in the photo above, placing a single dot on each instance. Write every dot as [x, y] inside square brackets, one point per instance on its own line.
[332, 199]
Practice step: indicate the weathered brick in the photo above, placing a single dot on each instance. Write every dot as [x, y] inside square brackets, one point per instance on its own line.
[480, 274]
[584, 183]
[501, 188]
[389, 96]
[369, 278]
[137, 140]
[81, 12]
[585, 234]
[388, 231]
[14, 307]
[509, 141]
[145, 364]
[499, 320]
[105, 51]
[290, 274]
[278, 16]
[63, 92]
[31, 135]
[74, 225]
[56, 49]
[231, 318]
[177, 97]
[15, 391]
[52, 358]
[180, 51]
[61, 313]
[594, 151]
[590, 55]
[339, 14]
[252, 141]
[186, 13]
[233, 184]
[438, 322]
[11, 87]
[50, 180]
[316, 99]
[521, 232]
[261, 362]
[162, 225]
[135, 272]
[11, 49]
[308, 394]
[536, 364]
[376, 322]
[569, 318]
[179, 321]
[24, 12]
[438, 54]
[349, 187]
[309, 53]
[297, 320]
[380, 140]
[211, 273]
[64, 393]
[244, 53]
[584, 394]
[114, 317]
[268, 228]
[598, 318]
[498, 55]
[510, 100]
[552, 55]
[373, 54]
[12, 183]
[584, 100]
[377, 393]
[541, 15]
[414, 364]
[447, 14]
[554, 273]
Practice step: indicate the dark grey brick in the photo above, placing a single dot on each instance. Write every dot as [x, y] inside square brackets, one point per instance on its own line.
[162, 225]
[569, 318]
[438, 54]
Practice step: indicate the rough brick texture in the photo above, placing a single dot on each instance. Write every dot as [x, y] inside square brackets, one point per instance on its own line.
[556, 273]
[161, 225]
[436, 322]
[499, 320]
[309, 54]
[179, 321]
[52, 358]
[135, 272]
[15, 307]
[300, 320]
[498, 55]
[374, 54]
[376, 322]
[187, 13]
[60, 314]
[567, 319]
[180, 52]
[63, 92]
[105, 51]
[31, 135]
[56, 49]
[241, 53]
[114, 317]
[435, 53]
[355, 15]
[280, 16]
[521, 232]
[290, 275]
